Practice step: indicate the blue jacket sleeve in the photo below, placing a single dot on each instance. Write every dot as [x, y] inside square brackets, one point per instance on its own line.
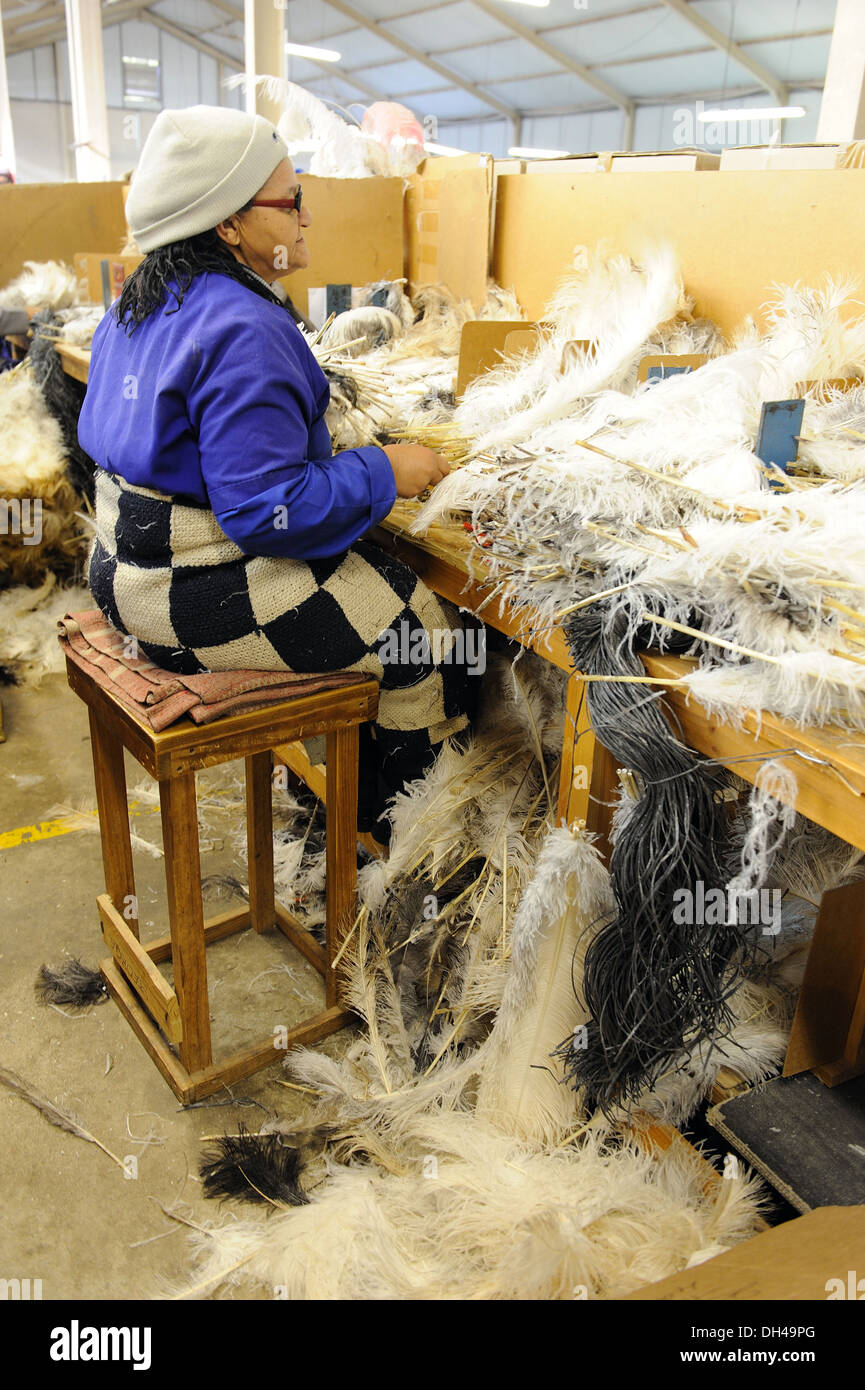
[256, 408]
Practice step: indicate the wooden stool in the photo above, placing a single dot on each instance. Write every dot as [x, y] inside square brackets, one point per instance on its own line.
[160, 1015]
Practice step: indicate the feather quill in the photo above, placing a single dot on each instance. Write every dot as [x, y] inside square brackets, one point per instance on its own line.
[61, 1119]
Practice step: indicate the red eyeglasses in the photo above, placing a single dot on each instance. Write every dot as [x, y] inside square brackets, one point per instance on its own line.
[281, 202]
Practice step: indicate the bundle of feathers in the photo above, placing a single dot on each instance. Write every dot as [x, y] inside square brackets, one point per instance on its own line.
[39, 504]
[656, 498]
[48, 284]
[392, 363]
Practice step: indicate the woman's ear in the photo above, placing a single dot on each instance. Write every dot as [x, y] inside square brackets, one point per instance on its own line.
[228, 231]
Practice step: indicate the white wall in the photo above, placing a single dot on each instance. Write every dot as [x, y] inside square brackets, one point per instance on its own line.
[655, 128]
[42, 116]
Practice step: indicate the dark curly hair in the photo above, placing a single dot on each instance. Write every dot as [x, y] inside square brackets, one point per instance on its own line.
[145, 290]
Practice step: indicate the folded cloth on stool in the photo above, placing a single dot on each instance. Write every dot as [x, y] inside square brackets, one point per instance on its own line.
[161, 697]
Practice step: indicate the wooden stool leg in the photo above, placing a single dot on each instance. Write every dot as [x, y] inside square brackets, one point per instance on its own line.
[341, 847]
[186, 916]
[109, 775]
[259, 840]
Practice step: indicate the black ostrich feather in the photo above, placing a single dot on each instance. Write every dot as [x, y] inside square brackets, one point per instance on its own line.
[254, 1168]
[651, 985]
[73, 984]
[64, 398]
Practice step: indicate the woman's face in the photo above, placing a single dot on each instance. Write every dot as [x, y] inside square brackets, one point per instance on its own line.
[270, 240]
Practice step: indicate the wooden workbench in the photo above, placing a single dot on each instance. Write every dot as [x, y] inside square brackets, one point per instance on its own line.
[829, 763]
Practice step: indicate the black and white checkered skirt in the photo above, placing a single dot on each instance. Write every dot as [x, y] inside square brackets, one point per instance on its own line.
[164, 572]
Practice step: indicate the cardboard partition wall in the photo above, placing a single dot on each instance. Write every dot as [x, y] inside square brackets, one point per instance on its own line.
[356, 234]
[483, 343]
[735, 233]
[448, 216]
[53, 221]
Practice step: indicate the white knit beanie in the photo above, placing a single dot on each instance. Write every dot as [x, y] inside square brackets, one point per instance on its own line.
[199, 165]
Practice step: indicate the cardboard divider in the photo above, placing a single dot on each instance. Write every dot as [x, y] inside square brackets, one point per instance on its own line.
[735, 234]
[448, 225]
[828, 1033]
[54, 221]
[356, 235]
[680, 361]
[88, 264]
[482, 344]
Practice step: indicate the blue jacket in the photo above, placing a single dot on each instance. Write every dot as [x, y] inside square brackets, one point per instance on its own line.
[222, 402]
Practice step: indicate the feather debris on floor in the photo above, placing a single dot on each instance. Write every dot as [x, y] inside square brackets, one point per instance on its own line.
[443, 1157]
[75, 984]
[54, 1114]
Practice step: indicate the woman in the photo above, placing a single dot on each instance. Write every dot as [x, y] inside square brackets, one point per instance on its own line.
[227, 534]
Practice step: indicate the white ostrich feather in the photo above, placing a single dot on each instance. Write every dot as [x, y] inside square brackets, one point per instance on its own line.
[522, 1088]
[613, 303]
[341, 149]
[28, 627]
[361, 330]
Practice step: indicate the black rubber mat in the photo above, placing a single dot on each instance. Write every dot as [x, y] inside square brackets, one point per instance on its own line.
[808, 1141]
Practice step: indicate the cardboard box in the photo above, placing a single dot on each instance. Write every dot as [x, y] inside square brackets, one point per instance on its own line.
[783, 157]
[571, 164]
[682, 160]
[449, 225]
[356, 236]
[53, 221]
[88, 265]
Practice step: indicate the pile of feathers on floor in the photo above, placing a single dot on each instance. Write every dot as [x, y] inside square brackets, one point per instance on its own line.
[444, 1152]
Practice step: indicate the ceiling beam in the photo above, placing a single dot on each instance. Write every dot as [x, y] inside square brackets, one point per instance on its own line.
[767, 79]
[640, 58]
[27, 17]
[178, 31]
[341, 73]
[53, 33]
[589, 108]
[449, 74]
[561, 59]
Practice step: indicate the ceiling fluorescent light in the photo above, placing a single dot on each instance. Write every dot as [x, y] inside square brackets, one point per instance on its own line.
[323, 55]
[752, 113]
[432, 148]
[527, 152]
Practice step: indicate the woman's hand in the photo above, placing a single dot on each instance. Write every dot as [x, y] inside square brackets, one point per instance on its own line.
[415, 467]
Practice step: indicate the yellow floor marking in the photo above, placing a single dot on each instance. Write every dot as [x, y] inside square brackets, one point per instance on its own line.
[61, 825]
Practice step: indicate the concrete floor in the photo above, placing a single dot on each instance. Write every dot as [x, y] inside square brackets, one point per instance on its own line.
[70, 1216]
